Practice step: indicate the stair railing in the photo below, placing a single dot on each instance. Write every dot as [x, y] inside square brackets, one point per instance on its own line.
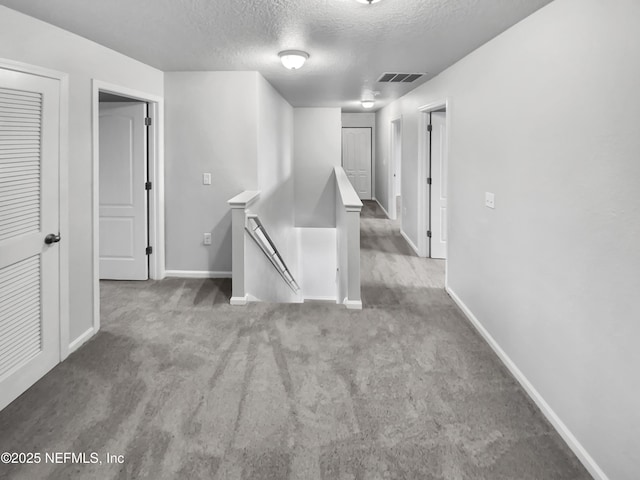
[258, 233]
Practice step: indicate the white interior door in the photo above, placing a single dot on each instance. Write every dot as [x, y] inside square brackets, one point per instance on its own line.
[356, 159]
[438, 185]
[29, 211]
[123, 197]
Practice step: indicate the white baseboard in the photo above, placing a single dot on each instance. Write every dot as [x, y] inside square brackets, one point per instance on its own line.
[321, 298]
[383, 209]
[239, 301]
[411, 244]
[352, 304]
[196, 274]
[573, 443]
[81, 340]
[248, 298]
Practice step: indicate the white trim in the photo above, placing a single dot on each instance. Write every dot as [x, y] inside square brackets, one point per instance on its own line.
[410, 242]
[350, 200]
[95, 203]
[244, 199]
[239, 301]
[63, 191]
[423, 159]
[81, 340]
[125, 91]
[156, 174]
[380, 205]
[320, 298]
[63, 219]
[196, 274]
[353, 304]
[573, 443]
[31, 69]
[391, 187]
[156, 206]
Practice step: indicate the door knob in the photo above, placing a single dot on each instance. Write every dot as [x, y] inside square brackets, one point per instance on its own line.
[51, 238]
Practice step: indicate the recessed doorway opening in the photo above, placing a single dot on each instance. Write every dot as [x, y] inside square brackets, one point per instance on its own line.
[433, 211]
[128, 195]
[124, 188]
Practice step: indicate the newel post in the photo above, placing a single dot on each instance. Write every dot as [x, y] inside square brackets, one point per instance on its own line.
[239, 205]
[354, 299]
[348, 207]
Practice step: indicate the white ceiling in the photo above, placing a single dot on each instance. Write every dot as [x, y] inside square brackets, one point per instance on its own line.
[350, 44]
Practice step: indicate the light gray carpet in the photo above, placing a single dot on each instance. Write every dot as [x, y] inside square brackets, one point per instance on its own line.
[186, 386]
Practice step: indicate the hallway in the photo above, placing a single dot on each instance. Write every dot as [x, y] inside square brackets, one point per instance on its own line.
[391, 271]
[186, 386]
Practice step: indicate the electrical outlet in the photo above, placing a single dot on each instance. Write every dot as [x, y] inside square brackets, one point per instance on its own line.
[207, 239]
[206, 179]
[489, 200]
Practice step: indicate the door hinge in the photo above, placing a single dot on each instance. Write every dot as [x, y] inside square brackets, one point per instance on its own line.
[149, 250]
[429, 233]
[147, 185]
[429, 181]
[429, 128]
[147, 121]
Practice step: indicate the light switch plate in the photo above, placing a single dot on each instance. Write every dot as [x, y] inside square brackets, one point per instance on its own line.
[489, 199]
[206, 179]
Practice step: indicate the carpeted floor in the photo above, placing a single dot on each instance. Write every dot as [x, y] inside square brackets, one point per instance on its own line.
[185, 386]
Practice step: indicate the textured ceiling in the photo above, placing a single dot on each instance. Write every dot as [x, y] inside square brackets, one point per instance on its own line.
[350, 44]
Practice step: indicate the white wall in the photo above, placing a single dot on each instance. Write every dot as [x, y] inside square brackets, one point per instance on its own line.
[546, 117]
[211, 125]
[237, 127]
[276, 204]
[356, 120]
[317, 141]
[318, 262]
[25, 39]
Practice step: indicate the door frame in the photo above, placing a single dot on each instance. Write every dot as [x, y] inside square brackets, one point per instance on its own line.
[135, 265]
[423, 171]
[371, 162]
[155, 175]
[63, 191]
[393, 161]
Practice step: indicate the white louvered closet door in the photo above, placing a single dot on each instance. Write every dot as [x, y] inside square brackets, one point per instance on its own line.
[29, 210]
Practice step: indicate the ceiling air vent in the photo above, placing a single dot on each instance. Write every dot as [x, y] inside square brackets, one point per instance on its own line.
[399, 77]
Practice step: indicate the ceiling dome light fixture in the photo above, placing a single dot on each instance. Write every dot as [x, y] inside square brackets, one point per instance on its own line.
[368, 99]
[368, 1]
[293, 59]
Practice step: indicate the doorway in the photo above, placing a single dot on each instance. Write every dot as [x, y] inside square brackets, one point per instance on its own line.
[124, 188]
[357, 159]
[395, 167]
[149, 183]
[434, 164]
